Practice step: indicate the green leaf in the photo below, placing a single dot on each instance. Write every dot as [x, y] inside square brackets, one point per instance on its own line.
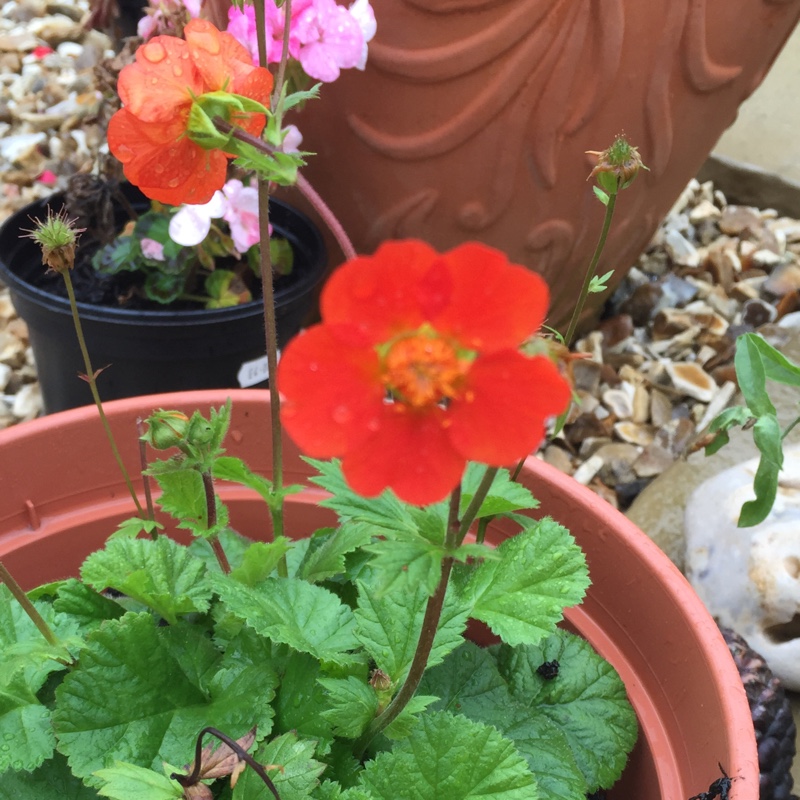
[133, 526]
[85, 605]
[126, 781]
[52, 781]
[304, 616]
[523, 596]
[601, 195]
[469, 682]
[352, 705]
[776, 366]
[141, 692]
[25, 729]
[586, 702]
[301, 699]
[722, 423]
[259, 560]
[408, 717]
[403, 564]
[480, 764]
[183, 497]
[159, 573]
[767, 437]
[751, 375]
[290, 766]
[326, 559]
[230, 468]
[504, 495]
[598, 282]
[389, 626]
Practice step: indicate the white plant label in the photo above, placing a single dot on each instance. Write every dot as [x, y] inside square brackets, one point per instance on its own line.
[253, 372]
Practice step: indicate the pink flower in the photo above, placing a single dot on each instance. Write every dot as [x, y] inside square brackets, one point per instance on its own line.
[152, 249]
[241, 214]
[192, 222]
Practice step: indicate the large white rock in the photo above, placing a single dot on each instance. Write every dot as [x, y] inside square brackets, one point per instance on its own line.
[749, 578]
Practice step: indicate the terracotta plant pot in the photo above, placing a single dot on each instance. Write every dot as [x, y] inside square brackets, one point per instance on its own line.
[60, 497]
[472, 120]
[154, 350]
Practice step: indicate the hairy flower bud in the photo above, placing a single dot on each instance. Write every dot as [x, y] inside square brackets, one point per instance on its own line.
[617, 166]
[58, 237]
[166, 429]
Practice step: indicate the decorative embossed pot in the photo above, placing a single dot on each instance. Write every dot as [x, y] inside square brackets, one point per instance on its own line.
[60, 496]
[472, 120]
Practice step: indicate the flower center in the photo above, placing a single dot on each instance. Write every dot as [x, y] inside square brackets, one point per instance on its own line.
[422, 370]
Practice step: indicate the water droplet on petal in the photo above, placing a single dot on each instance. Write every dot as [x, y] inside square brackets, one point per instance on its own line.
[342, 415]
[173, 183]
[159, 168]
[313, 366]
[154, 52]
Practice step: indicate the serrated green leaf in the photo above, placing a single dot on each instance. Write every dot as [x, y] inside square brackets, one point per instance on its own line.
[767, 437]
[523, 596]
[389, 626]
[301, 699]
[586, 702]
[159, 573]
[480, 764]
[304, 616]
[385, 511]
[326, 559]
[229, 468]
[25, 730]
[130, 528]
[141, 692]
[294, 771]
[504, 495]
[352, 704]
[126, 781]
[406, 564]
[183, 497]
[84, 604]
[52, 781]
[407, 718]
[259, 561]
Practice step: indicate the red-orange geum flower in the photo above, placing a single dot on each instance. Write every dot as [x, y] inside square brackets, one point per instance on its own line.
[149, 134]
[416, 369]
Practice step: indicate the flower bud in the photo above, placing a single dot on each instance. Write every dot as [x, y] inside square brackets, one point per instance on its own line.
[166, 429]
[58, 237]
[617, 166]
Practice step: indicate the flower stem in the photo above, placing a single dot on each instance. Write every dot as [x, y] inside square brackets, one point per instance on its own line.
[456, 531]
[601, 243]
[148, 494]
[268, 294]
[30, 609]
[279, 78]
[211, 521]
[91, 380]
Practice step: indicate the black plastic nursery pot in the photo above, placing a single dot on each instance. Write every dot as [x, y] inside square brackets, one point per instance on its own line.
[151, 351]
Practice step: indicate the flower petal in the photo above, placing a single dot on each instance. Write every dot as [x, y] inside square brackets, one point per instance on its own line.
[510, 396]
[378, 293]
[410, 453]
[326, 422]
[494, 304]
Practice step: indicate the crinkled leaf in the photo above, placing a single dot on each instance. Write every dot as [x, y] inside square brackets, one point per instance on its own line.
[304, 616]
[767, 437]
[290, 765]
[389, 626]
[126, 781]
[184, 498]
[259, 560]
[230, 468]
[325, 557]
[328, 790]
[407, 718]
[141, 692]
[159, 573]
[52, 781]
[352, 704]
[586, 702]
[406, 564]
[522, 596]
[385, 511]
[301, 699]
[26, 733]
[84, 604]
[480, 764]
[234, 545]
[130, 528]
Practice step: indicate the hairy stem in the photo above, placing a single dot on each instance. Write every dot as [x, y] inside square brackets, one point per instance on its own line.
[601, 243]
[30, 609]
[280, 77]
[148, 493]
[91, 380]
[211, 521]
[475, 503]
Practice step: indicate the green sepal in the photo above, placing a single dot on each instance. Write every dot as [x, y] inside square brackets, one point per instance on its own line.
[601, 195]
[522, 596]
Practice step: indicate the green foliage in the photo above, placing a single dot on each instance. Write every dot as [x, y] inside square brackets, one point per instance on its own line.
[160, 574]
[756, 362]
[51, 781]
[503, 497]
[481, 763]
[129, 782]
[326, 554]
[599, 283]
[522, 596]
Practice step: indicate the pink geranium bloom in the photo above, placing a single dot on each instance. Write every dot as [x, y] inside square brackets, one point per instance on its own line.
[152, 249]
[241, 214]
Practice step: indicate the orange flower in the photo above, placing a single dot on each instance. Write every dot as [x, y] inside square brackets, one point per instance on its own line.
[149, 134]
[416, 368]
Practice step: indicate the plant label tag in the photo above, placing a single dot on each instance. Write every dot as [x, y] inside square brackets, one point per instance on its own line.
[253, 372]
